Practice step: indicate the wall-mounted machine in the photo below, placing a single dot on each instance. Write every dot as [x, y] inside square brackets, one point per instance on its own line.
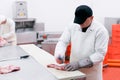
[26, 28]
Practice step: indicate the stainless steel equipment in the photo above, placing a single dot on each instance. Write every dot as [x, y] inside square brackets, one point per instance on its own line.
[50, 42]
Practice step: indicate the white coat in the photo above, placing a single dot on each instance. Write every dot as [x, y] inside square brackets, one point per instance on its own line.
[92, 43]
[7, 31]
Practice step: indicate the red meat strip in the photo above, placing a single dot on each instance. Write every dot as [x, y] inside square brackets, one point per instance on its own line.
[56, 66]
[8, 69]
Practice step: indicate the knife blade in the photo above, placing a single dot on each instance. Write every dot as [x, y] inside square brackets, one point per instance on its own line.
[15, 58]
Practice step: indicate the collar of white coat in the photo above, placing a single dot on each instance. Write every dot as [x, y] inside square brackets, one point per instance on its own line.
[90, 29]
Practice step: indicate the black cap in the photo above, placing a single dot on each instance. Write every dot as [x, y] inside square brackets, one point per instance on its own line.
[82, 13]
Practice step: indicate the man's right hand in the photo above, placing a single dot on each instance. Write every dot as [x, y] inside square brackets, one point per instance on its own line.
[4, 22]
[60, 60]
[2, 42]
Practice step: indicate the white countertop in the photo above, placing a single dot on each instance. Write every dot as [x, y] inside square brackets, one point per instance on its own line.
[44, 58]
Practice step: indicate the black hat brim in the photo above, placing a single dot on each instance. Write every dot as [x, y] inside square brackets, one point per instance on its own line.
[79, 20]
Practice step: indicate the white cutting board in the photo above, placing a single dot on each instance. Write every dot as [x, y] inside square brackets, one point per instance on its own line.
[45, 58]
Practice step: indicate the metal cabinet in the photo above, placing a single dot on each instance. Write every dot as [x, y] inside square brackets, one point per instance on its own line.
[27, 29]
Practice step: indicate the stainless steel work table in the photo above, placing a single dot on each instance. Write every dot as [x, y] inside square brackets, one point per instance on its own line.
[34, 67]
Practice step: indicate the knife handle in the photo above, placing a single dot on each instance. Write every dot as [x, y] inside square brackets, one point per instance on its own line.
[25, 56]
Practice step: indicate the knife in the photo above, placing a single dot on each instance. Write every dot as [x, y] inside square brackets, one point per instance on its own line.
[15, 58]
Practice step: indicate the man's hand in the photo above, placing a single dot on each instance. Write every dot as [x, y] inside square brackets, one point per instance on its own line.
[60, 59]
[2, 42]
[72, 66]
[3, 22]
[82, 63]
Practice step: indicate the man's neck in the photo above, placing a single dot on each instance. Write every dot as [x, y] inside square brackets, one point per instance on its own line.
[85, 28]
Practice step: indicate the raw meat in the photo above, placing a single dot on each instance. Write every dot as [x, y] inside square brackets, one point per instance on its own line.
[56, 66]
[8, 69]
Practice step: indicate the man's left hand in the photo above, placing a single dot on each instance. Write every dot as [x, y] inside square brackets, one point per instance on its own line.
[72, 66]
[82, 63]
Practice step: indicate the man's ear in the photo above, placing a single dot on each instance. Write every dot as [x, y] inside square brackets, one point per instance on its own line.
[92, 17]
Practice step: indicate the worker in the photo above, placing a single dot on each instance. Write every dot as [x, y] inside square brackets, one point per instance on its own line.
[7, 31]
[89, 41]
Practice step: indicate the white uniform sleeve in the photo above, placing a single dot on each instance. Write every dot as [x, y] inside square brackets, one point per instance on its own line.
[11, 25]
[62, 43]
[101, 44]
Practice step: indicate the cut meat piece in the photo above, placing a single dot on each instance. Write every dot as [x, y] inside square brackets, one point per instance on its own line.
[56, 66]
[8, 69]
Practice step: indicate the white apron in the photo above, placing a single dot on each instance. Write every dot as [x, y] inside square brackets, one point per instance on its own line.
[82, 47]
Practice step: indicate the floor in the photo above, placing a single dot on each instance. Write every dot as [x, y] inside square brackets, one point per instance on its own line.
[111, 73]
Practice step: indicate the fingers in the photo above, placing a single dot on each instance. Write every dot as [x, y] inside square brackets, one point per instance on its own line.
[3, 42]
[59, 61]
[72, 66]
[3, 22]
[68, 67]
